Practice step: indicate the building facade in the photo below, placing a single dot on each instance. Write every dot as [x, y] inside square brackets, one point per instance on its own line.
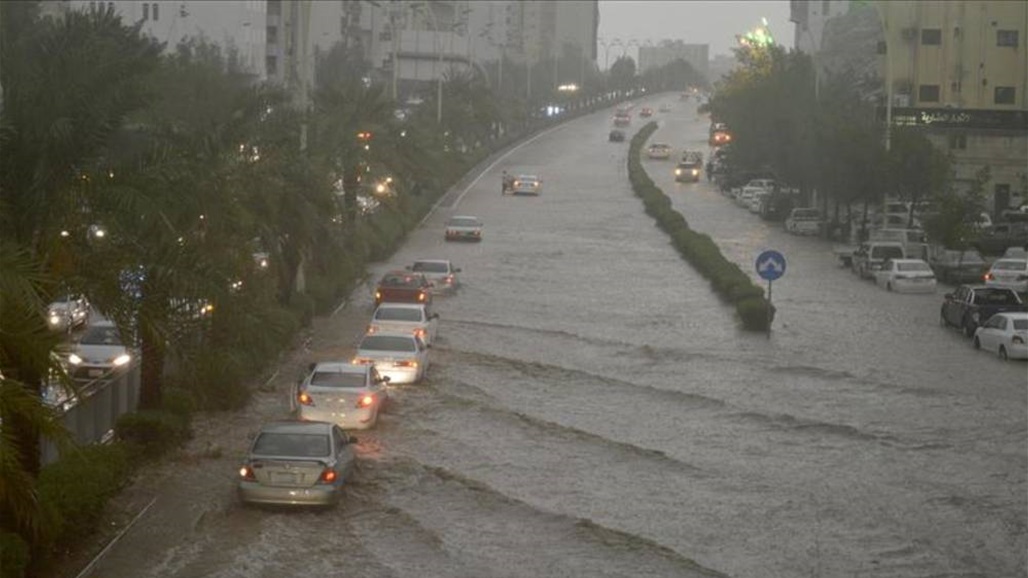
[959, 70]
[811, 17]
[667, 51]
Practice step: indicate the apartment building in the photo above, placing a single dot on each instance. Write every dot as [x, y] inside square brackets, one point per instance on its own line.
[959, 70]
[811, 17]
[667, 51]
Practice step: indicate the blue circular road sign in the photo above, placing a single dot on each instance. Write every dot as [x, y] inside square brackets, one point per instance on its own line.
[770, 265]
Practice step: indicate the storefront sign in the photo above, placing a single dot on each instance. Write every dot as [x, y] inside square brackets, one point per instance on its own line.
[1013, 120]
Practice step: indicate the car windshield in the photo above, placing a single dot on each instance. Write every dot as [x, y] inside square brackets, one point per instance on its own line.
[886, 252]
[1010, 265]
[101, 335]
[292, 444]
[914, 267]
[464, 222]
[526, 178]
[388, 343]
[995, 297]
[398, 314]
[806, 214]
[337, 379]
[431, 267]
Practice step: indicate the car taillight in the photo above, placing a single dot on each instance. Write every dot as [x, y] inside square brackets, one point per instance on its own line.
[365, 401]
[448, 280]
[406, 364]
[328, 475]
[361, 361]
[378, 295]
[371, 329]
[421, 296]
[420, 332]
[305, 398]
[246, 472]
[988, 277]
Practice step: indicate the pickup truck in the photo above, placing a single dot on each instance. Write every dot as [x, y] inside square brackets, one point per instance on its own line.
[403, 287]
[969, 306]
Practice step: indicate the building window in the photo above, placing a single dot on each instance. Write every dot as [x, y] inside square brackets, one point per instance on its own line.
[272, 35]
[146, 11]
[156, 14]
[1006, 38]
[931, 36]
[1005, 94]
[928, 93]
[958, 142]
[271, 65]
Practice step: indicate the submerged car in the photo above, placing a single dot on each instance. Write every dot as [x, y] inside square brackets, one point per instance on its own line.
[440, 272]
[463, 228]
[1006, 334]
[659, 151]
[956, 266]
[302, 463]
[687, 172]
[527, 185]
[100, 351]
[402, 357]
[348, 395]
[67, 312]
[906, 276]
[1009, 273]
[403, 287]
[416, 320]
[616, 136]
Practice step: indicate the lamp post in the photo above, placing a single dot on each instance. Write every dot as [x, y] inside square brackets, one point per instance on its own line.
[607, 44]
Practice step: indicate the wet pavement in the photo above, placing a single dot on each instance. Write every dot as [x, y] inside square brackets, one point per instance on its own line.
[593, 409]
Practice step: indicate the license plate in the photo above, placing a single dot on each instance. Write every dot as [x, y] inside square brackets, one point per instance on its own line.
[283, 478]
[96, 372]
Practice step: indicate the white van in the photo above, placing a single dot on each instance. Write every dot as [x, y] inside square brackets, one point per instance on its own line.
[804, 221]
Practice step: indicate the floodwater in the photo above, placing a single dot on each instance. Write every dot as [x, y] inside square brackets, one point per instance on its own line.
[593, 410]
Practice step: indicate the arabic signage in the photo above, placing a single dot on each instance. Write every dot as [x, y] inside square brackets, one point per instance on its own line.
[1016, 120]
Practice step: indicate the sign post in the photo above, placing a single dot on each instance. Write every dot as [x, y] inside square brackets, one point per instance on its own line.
[770, 266]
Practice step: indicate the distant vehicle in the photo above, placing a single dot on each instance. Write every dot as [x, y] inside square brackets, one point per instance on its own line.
[350, 396]
[463, 228]
[906, 276]
[1004, 333]
[403, 287]
[616, 136]
[527, 185]
[660, 151]
[665, 107]
[1010, 273]
[99, 352]
[303, 463]
[646, 112]
[687, 172]
[955, 266]
[441, 273]
[67, 312]
[402, 357]
[804, 221]
[969, 306]
[622, 119]
[418, 320]
[870, 257]
[719, 135]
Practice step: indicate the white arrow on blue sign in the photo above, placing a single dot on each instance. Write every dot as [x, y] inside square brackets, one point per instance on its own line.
[770, 265]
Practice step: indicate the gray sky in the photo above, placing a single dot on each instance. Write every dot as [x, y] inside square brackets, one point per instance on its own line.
[713, 22]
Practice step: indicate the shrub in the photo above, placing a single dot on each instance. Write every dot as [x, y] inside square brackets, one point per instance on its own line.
[14, 555]
[152, 432]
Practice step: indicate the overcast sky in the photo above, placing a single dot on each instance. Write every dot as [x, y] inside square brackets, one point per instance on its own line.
[713, 22]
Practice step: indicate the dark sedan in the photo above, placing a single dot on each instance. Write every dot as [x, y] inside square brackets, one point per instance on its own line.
[956, 267]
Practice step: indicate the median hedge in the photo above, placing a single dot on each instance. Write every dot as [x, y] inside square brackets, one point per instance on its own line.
[727, 279]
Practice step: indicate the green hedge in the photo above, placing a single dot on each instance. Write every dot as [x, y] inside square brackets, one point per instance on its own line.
[14, 555]
[726, 278]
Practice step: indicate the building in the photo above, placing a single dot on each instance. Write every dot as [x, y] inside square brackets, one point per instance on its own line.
[959, 70]
[667, 51]
[811, 17]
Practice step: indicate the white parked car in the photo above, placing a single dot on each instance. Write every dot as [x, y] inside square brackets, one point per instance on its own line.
[100, 351]
[1009, 273]
[906, 276]
[527, 185]
[441, 272]
[67, 312]
[804, 221]
[1006, 334]
[402, 357]
[348, 395]
[413, 318]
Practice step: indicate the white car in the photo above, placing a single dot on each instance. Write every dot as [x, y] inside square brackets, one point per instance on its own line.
[463, 228]
[100, 351]
[660, 151]
[527, 185]
[412, 318]
[804, 221]
[402, 357]
[1006, 334]
[906, 276]
[348, 395]
[67, 312]
[441, 272]
[1009, 273]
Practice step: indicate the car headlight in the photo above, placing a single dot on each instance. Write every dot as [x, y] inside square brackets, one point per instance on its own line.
[122, 359]
[74, 359]
[678, 172]
[54, 319]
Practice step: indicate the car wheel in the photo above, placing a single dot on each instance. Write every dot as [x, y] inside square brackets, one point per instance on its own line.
[1003, 353]
[977, 343]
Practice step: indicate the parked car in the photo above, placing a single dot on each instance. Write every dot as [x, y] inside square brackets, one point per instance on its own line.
[969, 306]
[527, 185]
[1011, 273]
[870, 257]
[348, 395]
[402, 357]
[616, 136]
[1006, 334]
[403, 287]
[955, 266]
[99, 352]
[297, 463]
[804, 221]
[417, 320]
[906, 276]
[463, 228]
[441, 273]
[67, 312]
[659, 151]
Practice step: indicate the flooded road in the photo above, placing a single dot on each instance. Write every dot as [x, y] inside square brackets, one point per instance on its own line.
[593, 410]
